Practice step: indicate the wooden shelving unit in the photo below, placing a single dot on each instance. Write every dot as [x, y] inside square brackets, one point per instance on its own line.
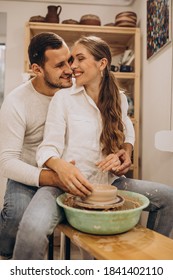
[119, 39]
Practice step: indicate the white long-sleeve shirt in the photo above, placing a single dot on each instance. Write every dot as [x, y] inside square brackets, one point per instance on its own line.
[73, 128]
[22, 120]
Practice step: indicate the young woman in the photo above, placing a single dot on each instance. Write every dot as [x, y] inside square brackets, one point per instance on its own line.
[88, 124]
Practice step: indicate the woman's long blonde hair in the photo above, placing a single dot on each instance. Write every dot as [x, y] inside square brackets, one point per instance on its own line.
[109, 102]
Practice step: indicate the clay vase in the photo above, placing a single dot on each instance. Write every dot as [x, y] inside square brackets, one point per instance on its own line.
[53, 14]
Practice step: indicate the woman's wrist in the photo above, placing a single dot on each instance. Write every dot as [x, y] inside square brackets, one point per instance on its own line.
[53, 163]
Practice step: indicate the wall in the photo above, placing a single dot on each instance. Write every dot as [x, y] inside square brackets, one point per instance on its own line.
[155, 108]
[18, 13]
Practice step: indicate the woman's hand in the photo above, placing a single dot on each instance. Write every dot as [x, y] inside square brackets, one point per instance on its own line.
[70, 176]
[110, 163]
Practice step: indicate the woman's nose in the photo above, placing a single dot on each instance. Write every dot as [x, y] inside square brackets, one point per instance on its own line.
[73, 63]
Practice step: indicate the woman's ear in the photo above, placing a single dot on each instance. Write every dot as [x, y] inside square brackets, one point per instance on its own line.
[103, 63]
[36, 69]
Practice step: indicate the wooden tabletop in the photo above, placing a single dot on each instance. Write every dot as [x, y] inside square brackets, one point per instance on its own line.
[139, 243]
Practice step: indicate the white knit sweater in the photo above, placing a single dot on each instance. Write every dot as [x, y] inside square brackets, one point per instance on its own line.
[22, 120]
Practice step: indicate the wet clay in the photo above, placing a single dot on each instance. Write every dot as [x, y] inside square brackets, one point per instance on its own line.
[128, 204]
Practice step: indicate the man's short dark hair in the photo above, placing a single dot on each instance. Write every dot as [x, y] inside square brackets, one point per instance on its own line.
[40, 43]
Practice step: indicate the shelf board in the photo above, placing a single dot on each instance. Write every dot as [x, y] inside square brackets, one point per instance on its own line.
[71, 32]
[125, 75]
[122, 31]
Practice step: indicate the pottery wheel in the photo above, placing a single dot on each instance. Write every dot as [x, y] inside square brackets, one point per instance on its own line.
[119, 201]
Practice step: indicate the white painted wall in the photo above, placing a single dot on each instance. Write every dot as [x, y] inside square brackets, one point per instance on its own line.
[156, 76]
[155, 107]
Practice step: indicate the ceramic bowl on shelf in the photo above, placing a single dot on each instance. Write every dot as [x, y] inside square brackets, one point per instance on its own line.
[90, 20]
[126, 19]
[70, 21]
[105, 222]
[129, 14]
[37, 19]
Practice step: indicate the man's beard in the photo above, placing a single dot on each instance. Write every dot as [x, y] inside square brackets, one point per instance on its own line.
[52, 85]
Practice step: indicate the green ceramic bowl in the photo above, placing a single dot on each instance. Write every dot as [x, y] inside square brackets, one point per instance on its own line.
[105, 222]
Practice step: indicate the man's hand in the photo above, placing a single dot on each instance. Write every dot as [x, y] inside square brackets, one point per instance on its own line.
[118, 163]
[125, 162]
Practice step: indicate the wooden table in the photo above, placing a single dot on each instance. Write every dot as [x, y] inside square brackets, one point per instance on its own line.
[139, 243]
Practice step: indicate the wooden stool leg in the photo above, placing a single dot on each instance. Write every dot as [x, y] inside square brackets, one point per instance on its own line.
[51, 247]
[65, 247]
[62, 245]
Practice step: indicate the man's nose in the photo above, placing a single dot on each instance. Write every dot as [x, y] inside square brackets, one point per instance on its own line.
[68, 68]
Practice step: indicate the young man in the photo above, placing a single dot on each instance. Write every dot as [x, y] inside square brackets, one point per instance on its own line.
[24, 234]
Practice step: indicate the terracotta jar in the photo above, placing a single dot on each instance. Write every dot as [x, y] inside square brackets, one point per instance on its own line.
[53, 14]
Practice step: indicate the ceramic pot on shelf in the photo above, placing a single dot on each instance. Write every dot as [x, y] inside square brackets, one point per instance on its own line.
[53, 14]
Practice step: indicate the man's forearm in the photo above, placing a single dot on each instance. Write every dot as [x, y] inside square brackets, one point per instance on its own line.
[128, 148]
[49, 178]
